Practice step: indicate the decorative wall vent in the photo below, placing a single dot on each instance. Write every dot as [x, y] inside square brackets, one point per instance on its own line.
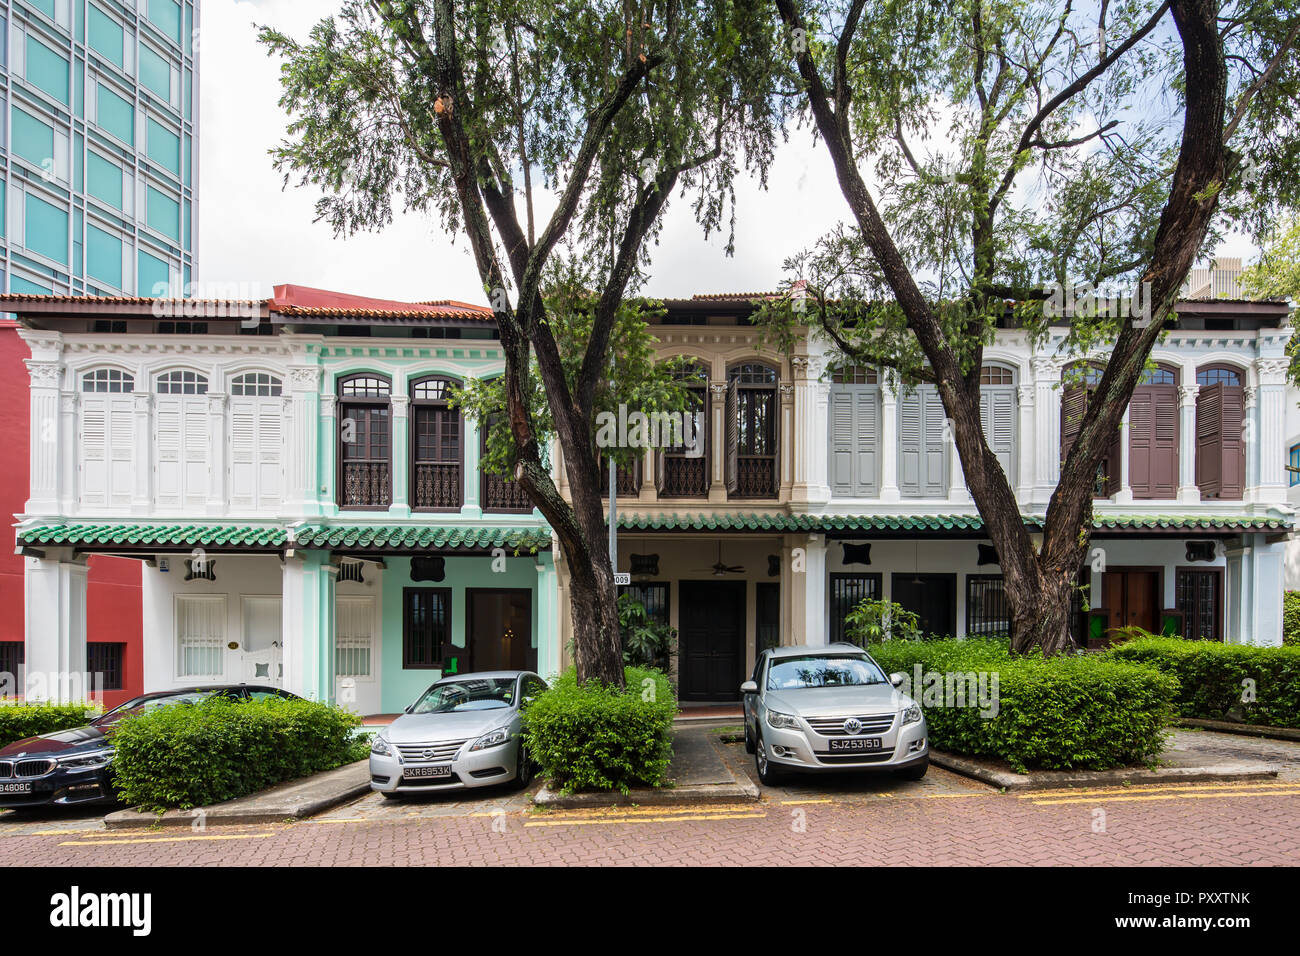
[1200, 550]
[428, 569]
[645, 564]
[351, 571]
[202, 568]
[988, 554]
[857, 553]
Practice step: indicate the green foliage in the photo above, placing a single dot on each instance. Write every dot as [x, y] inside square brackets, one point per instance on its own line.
[1237, 682]
[1277, 273]
[1079, 712]
[874, 621]
[646, 643]
[1291, 618]
[593, 737]
[194, 755]
[21, 720]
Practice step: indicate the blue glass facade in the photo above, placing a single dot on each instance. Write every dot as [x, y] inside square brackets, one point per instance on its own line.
[98, 165]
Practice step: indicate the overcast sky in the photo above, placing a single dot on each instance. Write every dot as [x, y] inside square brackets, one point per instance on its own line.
[251, 231]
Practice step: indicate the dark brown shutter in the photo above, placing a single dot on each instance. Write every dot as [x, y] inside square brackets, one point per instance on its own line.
[1209, 436]
[1231, 442]
[1141, 440]
[732, 428]
[1164, 459]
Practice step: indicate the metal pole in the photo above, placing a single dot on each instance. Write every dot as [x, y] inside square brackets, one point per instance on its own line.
[613, 517]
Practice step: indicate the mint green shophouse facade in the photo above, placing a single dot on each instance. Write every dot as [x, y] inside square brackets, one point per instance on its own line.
[98, 146]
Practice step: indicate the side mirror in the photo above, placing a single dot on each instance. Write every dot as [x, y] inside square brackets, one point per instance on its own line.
[749, 687]
[897, 678]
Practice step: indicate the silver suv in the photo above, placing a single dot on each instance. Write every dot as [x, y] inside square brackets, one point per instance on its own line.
[830, 709]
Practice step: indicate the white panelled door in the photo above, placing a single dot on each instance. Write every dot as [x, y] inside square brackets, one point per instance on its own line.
[355, 665]
[263, 661]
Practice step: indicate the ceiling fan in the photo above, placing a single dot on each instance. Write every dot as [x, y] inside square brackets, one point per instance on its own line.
[719, 569]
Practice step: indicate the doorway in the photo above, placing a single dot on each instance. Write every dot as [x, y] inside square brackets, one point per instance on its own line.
[500, 629]
[1131, 597]
[931, 597]
[711, 640]
[261, 661]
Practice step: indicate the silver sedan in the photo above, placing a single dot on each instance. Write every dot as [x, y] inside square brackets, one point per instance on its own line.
[463, 732]
[830, 709]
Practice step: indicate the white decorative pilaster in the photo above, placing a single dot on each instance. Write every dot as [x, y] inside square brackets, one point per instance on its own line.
[43, 477]
[324, 492]
[473, 506]
[811, 412]
[301, 463]
[54, 593]
[889, 437]
[217, 429]
[1125, 493]
[1188, 492]
[1271, 414]
[400, 451]
[1047, 427]
[958, 493]
[814, 627]
[308, 582]
[787, 443]
[718, 441]
[1025, 453]
[1250, 438]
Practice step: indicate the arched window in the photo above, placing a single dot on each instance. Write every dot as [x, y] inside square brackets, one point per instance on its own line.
[751, 431]
[365, 441]
[182, 383]
[683, 472]
[107, 380]
[1079, 384]
[854, 462]
[256, 384]
[1220, 432]
[1153, 434]
[998, 415]
[256, 440]
[437, 437]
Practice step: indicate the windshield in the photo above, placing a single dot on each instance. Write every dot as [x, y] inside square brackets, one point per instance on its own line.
[141, 704]
[458, 696]
[813, 671]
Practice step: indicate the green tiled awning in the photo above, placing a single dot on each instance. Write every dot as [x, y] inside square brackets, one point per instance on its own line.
[255, 537]
[420, 538]
[778, 523]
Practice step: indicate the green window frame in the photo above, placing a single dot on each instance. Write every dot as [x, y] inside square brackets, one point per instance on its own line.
[47, 70]
[106, 37]
[46, 229]
[115, 115]
[103, 257]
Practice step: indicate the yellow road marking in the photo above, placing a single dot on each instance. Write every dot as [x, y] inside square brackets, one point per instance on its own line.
[1154, 788]
[224, 836]
[795, 803]
[587, 821]
[1139, 798]
[950, 796]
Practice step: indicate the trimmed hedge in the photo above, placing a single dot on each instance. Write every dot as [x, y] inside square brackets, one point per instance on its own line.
[1291, 618]
[1214, 678]
[1068, 712]
[593, 737]
[19, 720]
[194, 755]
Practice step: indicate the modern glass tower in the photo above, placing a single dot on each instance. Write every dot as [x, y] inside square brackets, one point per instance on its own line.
[98, 146]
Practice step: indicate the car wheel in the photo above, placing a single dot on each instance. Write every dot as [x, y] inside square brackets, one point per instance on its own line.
[768, 774]
[523, 769]
[749, 739]
[916, 771]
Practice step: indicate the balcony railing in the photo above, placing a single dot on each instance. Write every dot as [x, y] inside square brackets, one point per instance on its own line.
[627, 480]
[437, 484]
[755, 476]
[684, 477]
[501, 494]
[366, 484]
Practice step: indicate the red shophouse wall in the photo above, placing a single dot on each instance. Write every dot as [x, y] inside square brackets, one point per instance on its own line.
[113, 602]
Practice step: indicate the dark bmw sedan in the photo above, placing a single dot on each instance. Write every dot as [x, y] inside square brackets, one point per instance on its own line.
[75, 766]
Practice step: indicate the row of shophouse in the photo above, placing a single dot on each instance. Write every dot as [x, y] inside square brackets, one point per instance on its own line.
[303, 506]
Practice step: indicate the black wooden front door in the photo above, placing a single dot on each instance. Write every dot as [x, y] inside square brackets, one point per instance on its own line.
[711, 637]
[932, 597]
[500, 629]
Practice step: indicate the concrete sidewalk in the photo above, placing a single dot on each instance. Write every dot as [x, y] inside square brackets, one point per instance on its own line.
[293, 800]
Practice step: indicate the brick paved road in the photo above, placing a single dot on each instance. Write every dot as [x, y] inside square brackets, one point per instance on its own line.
[1190, 825]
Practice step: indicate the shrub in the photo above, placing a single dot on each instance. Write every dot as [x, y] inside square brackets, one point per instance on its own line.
[646, 643]
[872, 622]
[20, 720]
[1068, 712]
[1240, 682]
[1291, 618]
[193, 755]
[593, 737]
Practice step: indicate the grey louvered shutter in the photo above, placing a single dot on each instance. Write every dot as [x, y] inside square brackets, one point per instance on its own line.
[935, 469]
[867, 447]
[910, 437]
[843, 444]
[998, 419]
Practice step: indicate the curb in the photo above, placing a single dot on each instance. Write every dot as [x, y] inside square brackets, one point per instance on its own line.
[735, 792]
[1244, 730]
[232, 814]
[1054, 779]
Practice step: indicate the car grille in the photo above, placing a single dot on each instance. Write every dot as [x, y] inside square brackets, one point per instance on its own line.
[6, 770]
[875, 756]
[431, 752]
[834, 726]
[32, 768]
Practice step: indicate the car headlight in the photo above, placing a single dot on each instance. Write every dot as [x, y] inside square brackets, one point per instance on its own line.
[380, 747]
[778, 720]
[911, 714]
[493, 738]
[99, 758]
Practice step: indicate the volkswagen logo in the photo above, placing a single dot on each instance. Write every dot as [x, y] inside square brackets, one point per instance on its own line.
[428, 753]
[852, 726]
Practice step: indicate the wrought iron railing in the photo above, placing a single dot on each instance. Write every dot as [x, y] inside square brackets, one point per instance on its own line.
[501, 494]
[755, 476]
[437, 484]
[366, 484]
[684, 477]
